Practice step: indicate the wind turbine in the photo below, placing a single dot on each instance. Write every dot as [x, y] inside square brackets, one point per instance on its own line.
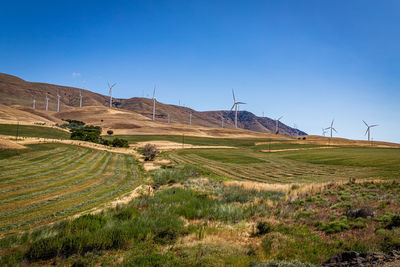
[34, 104]
[222, 121]
[277, 124]
[323, 131]
[169, 118]
[80, 98]
[58, 101]
[111, 88]
[369, 129]
[331, 129]
[154, 103]
[47, 102]
[236, 106]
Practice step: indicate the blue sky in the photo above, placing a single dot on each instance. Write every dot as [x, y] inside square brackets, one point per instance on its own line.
[309, 61]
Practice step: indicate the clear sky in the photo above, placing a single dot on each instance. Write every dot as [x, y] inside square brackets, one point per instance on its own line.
[310, 61]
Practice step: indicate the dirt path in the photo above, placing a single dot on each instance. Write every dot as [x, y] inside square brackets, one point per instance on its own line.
[169, 145]
[295, 149]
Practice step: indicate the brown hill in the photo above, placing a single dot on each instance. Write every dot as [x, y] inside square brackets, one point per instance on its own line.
[15, 91]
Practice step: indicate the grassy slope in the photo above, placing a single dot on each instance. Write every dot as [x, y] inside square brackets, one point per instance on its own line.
[33, 131]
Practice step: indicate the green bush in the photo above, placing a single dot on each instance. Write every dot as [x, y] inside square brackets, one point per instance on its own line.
[263, 228]
[333, 227]
[119, 142]
[170, 176]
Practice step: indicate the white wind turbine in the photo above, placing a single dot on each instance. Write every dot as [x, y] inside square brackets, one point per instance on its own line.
[277, 124]
[369, 129]
[34, 104]
[111, 88]
[80, 98]
[47, 102]
[58, 101]
[331, 129]
[154, 103]
[323, 131]
[236, 106]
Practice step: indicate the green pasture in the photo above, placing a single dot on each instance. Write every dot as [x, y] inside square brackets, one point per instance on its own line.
[33, 131]
[47, 182]
[314, 165]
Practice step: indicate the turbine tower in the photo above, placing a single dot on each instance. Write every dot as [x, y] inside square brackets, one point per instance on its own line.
[277, 124]
[111, 88]
[236, 106]
[154, 103]
[222, 121]
[190, 118]
[169, 118]
[80, 98]
[47, 102]
[58, 101]
[34, 104]
[369, 129]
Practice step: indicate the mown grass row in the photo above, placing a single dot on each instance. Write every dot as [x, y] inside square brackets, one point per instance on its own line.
[77, 180]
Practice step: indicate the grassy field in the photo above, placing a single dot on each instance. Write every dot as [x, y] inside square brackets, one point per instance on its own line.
[205, 209]
[200, 141]
[48, 182]
[318, 165]
[33, 131]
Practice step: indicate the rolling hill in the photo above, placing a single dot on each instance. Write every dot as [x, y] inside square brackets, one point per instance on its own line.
[16, 91]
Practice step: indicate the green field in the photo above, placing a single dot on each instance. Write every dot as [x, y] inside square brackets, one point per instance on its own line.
[200, 141]
[48, 182]
[33, 131]
[317, 165]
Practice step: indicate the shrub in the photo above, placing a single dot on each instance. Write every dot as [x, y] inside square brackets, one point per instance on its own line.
[110, 132]
[119, 142]
[333, 227]
[44, 249]
[150, 151]
[263, 228]
[86, 133]
[169, 176]
[394, 222]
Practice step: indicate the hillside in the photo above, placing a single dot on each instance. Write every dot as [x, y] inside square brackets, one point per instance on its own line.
[16, 91]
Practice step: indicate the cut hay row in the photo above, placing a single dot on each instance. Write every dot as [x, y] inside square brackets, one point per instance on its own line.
[31, 157]
[272, 170]
[54, 189]
[53, 162]
[86, 181]
[58, 178]
[69, 159]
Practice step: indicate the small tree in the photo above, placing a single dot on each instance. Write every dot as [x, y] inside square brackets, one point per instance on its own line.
[150, 151]
[110, 132]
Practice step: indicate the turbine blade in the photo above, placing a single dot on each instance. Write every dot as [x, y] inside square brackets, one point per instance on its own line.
[113, 84]
[366, 131]
[374, 125]
[365, 123]
[233, 106]
[334, 130]
[233, 94]
[241, 103]
[280, 118]
[332, 122]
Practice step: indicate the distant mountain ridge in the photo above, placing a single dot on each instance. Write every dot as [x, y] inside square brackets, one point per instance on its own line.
[16, 91]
